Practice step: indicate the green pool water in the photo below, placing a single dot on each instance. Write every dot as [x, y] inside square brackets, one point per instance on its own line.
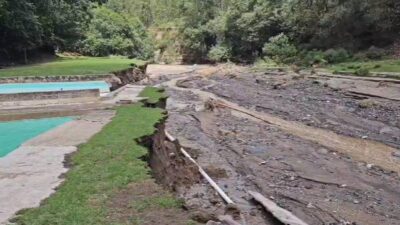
[14, 133]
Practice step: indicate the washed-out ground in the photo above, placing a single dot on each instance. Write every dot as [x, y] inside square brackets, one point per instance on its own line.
[310, 143]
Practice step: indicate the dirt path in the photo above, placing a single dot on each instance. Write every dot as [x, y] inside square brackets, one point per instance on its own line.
[311, 148]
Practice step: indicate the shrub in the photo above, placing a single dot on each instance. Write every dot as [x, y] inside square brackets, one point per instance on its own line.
[111, 33]
[280, 49]
[219, 53]
[354, 67]
[314, 57]
[375, 53]
[336, 55]
[362, 72]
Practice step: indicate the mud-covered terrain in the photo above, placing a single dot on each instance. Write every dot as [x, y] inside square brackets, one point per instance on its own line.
[314, 103]
[327, 155]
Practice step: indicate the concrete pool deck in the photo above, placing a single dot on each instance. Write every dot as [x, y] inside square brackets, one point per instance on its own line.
[31, 173]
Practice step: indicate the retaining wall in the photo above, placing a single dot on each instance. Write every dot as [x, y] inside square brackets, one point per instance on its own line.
[49, 95]
[116, 79]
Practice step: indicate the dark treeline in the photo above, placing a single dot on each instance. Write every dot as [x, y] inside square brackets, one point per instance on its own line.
[26, 25]
[217, 30]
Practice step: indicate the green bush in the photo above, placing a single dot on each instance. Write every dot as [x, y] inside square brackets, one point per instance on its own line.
[219, 53]
[354, 67]
[375, 53]
[314, 57]
[362, 72]
[280, 49]
[111, 33]
[336, 55]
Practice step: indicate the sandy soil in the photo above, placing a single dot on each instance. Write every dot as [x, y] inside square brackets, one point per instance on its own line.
[324, 152]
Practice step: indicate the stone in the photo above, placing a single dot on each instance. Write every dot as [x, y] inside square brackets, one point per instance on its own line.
[202, 216]
[396, 154]
[386, 130]
[323, 151]
[211, 222]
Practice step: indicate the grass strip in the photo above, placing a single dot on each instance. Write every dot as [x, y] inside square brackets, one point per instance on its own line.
[153, 95]
[379, 66]
[65, 66]
[107, 163]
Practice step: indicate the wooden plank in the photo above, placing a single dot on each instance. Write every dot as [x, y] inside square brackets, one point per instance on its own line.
[281, 214]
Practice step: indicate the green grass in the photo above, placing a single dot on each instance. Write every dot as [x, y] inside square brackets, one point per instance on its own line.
[103, 166]
[153, 94]
[389, 65]
[72, 66]
[167, 201]
[266, 64]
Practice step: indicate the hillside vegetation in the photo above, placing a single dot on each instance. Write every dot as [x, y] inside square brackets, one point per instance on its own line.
[287, 31]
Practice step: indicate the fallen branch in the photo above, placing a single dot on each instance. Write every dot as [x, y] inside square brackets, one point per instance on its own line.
[281, 214]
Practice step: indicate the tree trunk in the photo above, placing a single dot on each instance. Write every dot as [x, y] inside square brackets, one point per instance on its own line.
[25, 56]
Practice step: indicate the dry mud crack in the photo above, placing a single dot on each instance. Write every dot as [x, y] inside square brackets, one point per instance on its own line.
[311, 148]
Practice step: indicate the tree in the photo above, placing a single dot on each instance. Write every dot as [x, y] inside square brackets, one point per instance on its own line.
[111, 33]
[32, 24]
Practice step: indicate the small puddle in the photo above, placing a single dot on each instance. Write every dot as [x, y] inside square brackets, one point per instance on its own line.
[15, 133]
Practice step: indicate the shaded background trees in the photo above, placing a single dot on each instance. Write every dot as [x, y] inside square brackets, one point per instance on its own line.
[216, 30]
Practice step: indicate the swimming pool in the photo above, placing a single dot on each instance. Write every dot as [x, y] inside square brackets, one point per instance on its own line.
[15, 133]
[53, 86]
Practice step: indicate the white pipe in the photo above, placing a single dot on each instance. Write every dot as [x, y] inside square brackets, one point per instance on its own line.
[202, 172]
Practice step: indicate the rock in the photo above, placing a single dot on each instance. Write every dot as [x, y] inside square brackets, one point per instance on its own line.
[253, 213]
[356, 202]
[369, 166]
[386, 130]
[396, 154]
[202, 216]
[232, 209]
[213, 223]
[323, 151]
[308, 186]
[310, 206]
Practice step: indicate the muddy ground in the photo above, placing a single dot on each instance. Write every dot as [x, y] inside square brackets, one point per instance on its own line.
[354, 180]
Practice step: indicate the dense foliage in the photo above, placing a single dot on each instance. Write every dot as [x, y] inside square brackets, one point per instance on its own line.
[217, 30]
[32, 24]
[110, 33]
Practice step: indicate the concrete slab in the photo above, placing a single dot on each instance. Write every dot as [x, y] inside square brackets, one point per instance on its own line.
[75, 132]
[128, 93]
[30, 174]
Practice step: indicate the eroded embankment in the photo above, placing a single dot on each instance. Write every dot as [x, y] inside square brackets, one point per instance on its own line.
[169, 166]
[108, 182]
[179, 173]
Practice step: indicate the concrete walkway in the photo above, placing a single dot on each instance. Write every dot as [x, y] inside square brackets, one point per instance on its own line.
[126, 94]
[30, 174]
